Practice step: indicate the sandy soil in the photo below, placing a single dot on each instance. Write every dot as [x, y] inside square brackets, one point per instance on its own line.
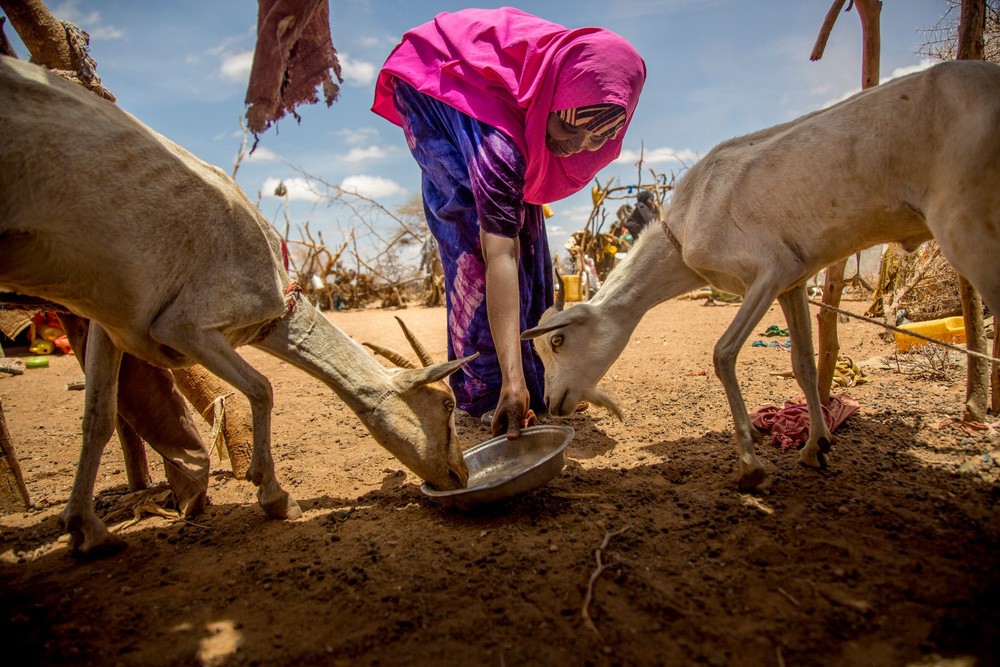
[888, 558]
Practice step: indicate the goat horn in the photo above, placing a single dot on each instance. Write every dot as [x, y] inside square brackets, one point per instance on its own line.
[425, 358]
[391, 355]
[560, 303]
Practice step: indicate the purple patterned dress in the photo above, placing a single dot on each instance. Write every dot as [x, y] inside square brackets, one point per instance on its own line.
[473, 176]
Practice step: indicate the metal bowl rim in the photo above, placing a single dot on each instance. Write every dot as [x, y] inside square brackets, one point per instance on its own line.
[567, 431]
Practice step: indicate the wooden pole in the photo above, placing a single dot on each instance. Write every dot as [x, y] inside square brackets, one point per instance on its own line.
[869, 12]
[42, 33]
[13, 492]
[971, 26]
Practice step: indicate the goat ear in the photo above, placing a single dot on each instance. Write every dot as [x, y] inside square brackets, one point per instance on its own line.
[416, 377]
[550, 321]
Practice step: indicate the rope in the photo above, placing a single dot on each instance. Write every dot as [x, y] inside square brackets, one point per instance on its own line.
[293, 292]
[907, 332]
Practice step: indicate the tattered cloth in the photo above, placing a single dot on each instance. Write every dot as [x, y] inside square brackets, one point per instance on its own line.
[789, 426]
[294, 55]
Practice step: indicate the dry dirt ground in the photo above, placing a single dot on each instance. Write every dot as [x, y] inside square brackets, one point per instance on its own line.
[888, 558]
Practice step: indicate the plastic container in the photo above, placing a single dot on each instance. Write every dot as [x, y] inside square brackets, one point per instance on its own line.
[42, 346]
[36, 362]
[50, 333]
[947, 329]
[571, 287]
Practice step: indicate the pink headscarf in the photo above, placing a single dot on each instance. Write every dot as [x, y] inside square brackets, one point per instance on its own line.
[509, 69]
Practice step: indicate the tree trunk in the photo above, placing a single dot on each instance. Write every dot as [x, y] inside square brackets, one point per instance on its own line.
[202, 388]
[995, 373]
[971, 25]
[826, 326]
[42, 33]
[977, 376]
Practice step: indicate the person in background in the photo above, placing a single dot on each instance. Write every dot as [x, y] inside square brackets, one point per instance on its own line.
[645, 212]
[503, 112]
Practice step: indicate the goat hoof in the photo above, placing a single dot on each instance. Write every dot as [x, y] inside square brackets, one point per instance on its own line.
[108, 547]
[282, 506]
[94, 547]
[752, 475]
[89, 538]
[813, 457]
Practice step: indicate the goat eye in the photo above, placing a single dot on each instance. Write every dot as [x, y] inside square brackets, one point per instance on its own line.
[556, 341]
[449, 406]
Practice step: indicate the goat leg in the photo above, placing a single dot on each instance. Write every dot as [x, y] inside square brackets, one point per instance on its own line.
[213, 352]
[150, 403]
[89, 537]
[755, 304]
[795, 305]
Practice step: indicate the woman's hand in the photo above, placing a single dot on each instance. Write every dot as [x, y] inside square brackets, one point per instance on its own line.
[512, 412]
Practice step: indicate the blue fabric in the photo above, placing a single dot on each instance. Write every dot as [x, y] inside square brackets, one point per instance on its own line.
[473, 176]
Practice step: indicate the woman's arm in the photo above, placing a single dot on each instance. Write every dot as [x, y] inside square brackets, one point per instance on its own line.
[503, 308]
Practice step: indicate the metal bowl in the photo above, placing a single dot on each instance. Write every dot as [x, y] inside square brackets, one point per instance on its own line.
[501, 469]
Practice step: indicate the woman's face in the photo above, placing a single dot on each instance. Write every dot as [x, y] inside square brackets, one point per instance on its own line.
[564, 139]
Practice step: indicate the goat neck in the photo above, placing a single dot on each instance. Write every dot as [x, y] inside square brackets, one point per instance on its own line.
[578, 345]
[408, 411]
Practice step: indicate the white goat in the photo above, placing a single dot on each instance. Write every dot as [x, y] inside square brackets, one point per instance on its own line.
[915, 158]
[173, 264]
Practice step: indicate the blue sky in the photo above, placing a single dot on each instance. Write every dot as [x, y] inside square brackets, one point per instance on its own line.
[716, 69]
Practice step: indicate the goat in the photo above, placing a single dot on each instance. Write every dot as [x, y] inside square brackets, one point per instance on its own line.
[173, 264]
[914, 158]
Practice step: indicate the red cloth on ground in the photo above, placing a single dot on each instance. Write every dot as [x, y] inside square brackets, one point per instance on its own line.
[294, 55]
[789, 426]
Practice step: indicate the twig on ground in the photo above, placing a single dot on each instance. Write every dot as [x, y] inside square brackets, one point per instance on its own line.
[788, 596]
[601, 566]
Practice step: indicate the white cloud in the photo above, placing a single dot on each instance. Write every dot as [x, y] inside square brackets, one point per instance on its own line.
[106, 32]
[362, 153]
[896, 73]
[92, 21]
[903, 71]
[299, 189]
[683, 156]
[575, 216]
[263, 155]
[372, 186]
[357, 136]
[236, 66]
[370, 42]
[357, 72]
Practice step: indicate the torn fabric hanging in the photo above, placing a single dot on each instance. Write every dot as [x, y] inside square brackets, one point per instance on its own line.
[294, 55]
